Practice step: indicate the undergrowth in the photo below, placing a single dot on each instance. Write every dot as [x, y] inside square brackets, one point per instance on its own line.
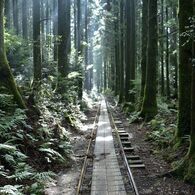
[162, 128]
[31, 148]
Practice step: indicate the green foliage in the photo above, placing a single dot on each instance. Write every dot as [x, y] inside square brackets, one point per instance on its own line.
[18, 54]
[11, 190]
[21, 141]
[161, 133]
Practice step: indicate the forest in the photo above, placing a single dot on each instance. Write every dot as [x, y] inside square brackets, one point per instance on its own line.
[58, 57]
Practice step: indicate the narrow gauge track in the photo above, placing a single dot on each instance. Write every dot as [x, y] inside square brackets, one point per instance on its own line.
[130, 160]
[87, 155]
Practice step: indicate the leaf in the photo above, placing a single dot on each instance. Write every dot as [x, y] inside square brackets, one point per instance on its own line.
[73, 75]
[11, 190]
[7, 147]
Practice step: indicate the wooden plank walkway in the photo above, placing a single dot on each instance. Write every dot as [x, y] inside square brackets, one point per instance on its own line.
[106, 178]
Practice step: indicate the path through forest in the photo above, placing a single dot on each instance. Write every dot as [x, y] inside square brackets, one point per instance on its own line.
[150, 181]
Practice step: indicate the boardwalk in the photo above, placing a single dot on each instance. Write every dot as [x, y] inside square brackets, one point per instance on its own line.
[106, 179]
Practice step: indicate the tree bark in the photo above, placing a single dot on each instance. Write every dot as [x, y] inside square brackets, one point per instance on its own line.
[149, 107]
[130, 54]
[64, 36]
[36, 43]
[15, 16]
[7, 14]
[144, 47]
[185, 70]
[121, 54]
[6, 76]
[167, 57]
[24, 19]
[55, 29]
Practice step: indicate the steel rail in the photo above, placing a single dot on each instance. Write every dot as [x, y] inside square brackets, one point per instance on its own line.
[130, 175]
[80, 182]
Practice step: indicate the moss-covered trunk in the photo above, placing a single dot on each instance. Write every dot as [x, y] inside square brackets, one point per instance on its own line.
[6, 77]
[185, 69]
[144, 48]
[149, 107]
[187, 167]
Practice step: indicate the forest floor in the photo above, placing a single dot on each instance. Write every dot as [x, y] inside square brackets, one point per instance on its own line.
[150, 181]
[153, 180]
[67, 180]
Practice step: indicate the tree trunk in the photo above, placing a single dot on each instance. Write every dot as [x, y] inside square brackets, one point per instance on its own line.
[185, 70]
[15, 16]
[149, 107]
[174, 55]
[63, 43]
[117, 35]
[79, 50]
[7, 14]
[36, 43]
[167, 57]
[121, 46]
[144, 47]
[6, 76]
[162, 50]
[55, 29]
[187, 168]
[24, 19]
[130, 54]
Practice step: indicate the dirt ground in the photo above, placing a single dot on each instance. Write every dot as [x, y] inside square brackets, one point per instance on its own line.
[67, 180]
[150, 181]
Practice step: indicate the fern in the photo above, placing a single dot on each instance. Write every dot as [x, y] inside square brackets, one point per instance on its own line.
[11, 190]
[10, 159]
[52, 153]
[6, 101]
[7, 148]
[22, 171]
[44, 176]
[3, 173]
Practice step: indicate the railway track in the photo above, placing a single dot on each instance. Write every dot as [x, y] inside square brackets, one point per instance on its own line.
[125, 154]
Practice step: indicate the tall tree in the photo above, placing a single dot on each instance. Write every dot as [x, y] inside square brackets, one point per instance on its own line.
[36, 42]
[185, 70]
[117, 56]
[121, 54]
[8, 14]
[62, 33]
[174, 48]
[149, 107]
[15, 16]
[144, 47]
[55, 29]
[6, 76]
[130, 54]
[24, 19]
[79, 50]
[167, 56]
[187, 167]
[161, 30]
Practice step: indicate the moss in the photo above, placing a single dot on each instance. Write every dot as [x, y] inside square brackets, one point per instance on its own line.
[149, 106]
[6, 76]
[185, 69]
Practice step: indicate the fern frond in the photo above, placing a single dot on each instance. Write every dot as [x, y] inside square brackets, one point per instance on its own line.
[52, 153]
[10, 159]
[44, 176]
[6, 147]
[11, 190]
